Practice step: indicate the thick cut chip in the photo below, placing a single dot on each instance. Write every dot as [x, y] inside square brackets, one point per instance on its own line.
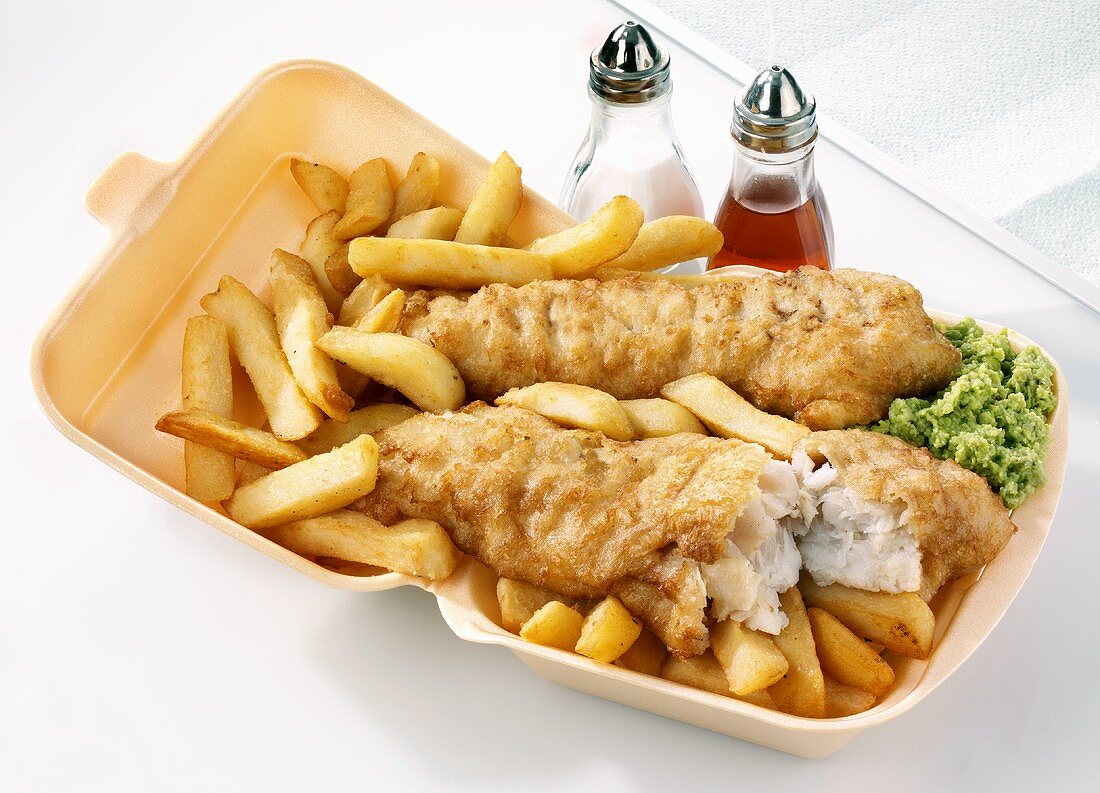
[327, 189]
[446, 265]
[520, 600]
[607, 234]
[255, 341]
[417, 370]
[647, 655]
[308, 489]
[365, 421]
[207, 384]
[417, 189]
[413, 547]
[318, 246]
[231, 438]
[902, 622]
[339, 272]
[608, 631]
[494, 206]
[438, 223]
[366, 295]
[302, 318]
[670, 240]
[554, 625]
[727, 414]
[656, 418]
[705, 673]
[573, 406]
[750, 659]
[847, 658]
[801, 692]
[250, 472]
[841, 700]
[385, 316]
[370, 200]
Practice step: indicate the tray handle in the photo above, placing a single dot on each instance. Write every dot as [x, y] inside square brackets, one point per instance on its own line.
[124, 185]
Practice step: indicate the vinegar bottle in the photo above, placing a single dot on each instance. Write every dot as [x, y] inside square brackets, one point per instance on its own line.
[631, 147]
[774, 213]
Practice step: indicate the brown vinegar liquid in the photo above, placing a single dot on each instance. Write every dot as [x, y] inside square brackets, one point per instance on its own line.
[781, 241]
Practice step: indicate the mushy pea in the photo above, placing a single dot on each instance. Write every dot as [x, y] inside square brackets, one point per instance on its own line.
[991, 419]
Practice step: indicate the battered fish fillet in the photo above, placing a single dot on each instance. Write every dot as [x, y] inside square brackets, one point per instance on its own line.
[656, 521]
[881, 515]
[828, 349]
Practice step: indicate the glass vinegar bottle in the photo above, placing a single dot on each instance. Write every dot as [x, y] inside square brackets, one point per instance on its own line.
[774, 214]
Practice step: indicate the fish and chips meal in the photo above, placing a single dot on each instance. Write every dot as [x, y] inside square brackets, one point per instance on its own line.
[750, 484]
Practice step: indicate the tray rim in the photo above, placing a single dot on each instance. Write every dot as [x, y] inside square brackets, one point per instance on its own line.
[133, 167]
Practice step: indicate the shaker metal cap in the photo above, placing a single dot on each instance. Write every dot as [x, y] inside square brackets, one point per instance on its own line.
[629, 67]
[773, 113]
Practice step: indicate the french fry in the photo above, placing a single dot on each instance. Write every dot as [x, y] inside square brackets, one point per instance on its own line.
[365, 421]
[608, 631]
[841, 700]
[255, 341]
[750, 660]
[366, 295]
[438, 223]
[846, 658]
[573, 406]
[646, 655]
[727, 414]
[604, 236]
[519, 601]
[417, 189]
[656, 418]
[327, 189]
[705, 673]
[207, 384]
[723, 275]
[446, 265]
[301, 318]
[554, 625]
[494, 206]
[362, 300]
[801, 692]
[385, 317]
[670, 240]
[420, 372]
[370, 200]
[250, 472]
[339, 272]
[344, 567]
[317, 247]
[308, 489]
[230, 438]
[902, 622]
[413, 547]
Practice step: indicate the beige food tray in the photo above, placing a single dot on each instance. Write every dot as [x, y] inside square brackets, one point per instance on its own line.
[106, 365]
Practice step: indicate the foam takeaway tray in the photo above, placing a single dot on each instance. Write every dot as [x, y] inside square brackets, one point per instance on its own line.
[106, 365]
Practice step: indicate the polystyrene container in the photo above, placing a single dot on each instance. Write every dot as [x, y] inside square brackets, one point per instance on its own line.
[106, 366]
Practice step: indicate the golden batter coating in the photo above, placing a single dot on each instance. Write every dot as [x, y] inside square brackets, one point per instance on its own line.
[958, 522]
[829, 349]
[572, 510]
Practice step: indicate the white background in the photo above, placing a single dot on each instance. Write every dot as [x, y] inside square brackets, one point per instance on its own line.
[141, 650]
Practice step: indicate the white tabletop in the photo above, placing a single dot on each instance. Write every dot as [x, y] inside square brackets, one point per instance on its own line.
[141, 650]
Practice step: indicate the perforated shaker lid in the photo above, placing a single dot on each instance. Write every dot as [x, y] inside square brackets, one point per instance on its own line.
[629, 67]
[773, 113]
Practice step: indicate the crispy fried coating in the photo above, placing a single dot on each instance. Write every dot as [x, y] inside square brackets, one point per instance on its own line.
[958, 522]
[828, 349]
[572, 510]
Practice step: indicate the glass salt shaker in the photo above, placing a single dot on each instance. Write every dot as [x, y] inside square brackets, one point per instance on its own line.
[774, 214]
[631, 147]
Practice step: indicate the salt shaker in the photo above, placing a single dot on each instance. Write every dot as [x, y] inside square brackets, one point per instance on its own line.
[774, 214]
[631, 147]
